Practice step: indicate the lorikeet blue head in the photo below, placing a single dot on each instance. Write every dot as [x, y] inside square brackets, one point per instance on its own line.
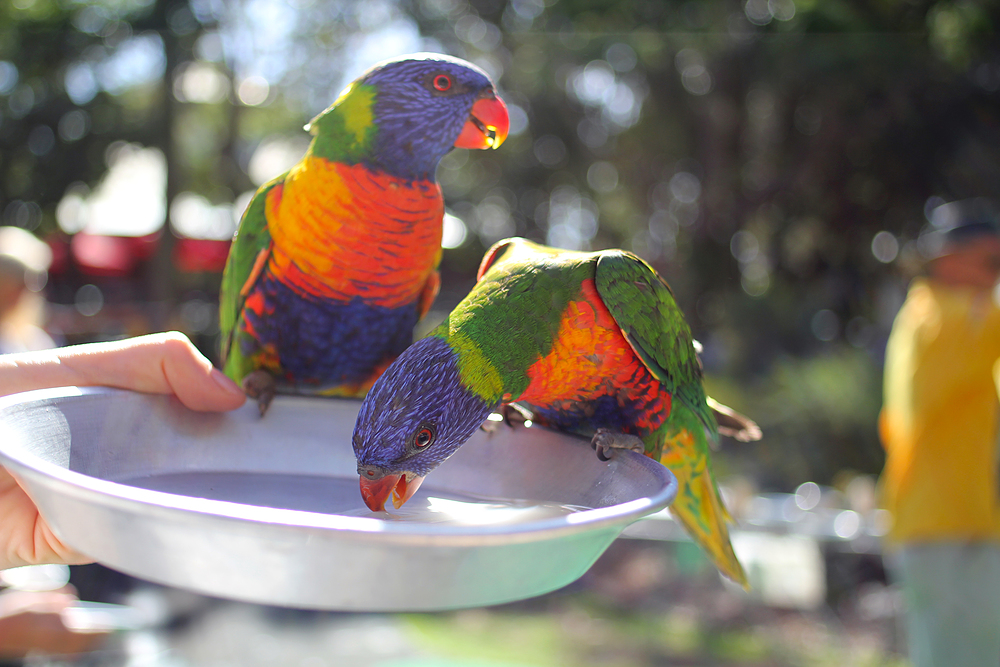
[416, 415]
[403, 115]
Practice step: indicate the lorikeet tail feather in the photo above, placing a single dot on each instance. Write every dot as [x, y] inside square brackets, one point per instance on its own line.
[733, 424]
[698, 506]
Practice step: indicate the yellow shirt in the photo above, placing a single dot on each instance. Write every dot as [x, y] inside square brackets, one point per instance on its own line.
[939, 416]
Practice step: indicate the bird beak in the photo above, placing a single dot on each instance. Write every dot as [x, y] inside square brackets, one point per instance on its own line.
[375, 492]
[487, 125]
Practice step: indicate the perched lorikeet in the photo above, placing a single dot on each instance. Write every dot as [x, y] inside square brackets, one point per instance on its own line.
[336, 260]
[589, 342]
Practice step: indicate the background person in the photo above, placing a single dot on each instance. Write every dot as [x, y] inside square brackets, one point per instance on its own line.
[939, 428]
[24, 265]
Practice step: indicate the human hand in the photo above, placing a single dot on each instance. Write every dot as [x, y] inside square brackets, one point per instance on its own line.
[166, 363]
[32, 621]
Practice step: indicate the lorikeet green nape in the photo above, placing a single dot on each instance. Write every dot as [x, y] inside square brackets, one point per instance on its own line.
[336, 260]
[588, 342]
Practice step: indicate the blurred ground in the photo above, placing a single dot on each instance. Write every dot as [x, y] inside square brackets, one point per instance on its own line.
[644, 603]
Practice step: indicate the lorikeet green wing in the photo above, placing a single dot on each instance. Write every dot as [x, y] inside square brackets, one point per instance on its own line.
[644, 307]
[652, 323]
[247, 256]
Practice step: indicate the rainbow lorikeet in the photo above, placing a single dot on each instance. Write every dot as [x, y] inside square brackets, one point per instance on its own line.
[336, 260]
[588, 342]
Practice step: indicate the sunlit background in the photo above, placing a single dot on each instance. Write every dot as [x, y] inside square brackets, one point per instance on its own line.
[773, 159]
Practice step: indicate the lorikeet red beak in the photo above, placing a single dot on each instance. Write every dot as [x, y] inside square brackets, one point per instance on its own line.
[487, 125]
[375, 492]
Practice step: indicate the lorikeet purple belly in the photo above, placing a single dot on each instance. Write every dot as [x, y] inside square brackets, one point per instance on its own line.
[589, 342]
[336, 260]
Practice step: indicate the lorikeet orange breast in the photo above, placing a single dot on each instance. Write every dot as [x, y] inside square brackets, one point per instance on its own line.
[336, 260]
[592, 343]
[334, 302]
[609, 387]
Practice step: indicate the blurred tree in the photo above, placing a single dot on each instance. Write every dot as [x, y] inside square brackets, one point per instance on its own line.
[82, 80]
[772, 158]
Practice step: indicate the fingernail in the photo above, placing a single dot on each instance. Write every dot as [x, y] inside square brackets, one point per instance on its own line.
[223, 381]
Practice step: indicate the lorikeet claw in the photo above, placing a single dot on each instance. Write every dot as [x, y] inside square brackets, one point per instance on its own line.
[260, 385]
[514, 414]
[605, 441]
[490, 426]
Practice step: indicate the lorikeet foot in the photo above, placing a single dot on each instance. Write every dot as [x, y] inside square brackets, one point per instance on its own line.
[260, 385]
[605, 441]
[513, 415]
[490, 426]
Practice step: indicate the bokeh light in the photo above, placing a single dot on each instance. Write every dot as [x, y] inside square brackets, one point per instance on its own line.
[193, 216]
[253, 91]
[825, 325]
[454, 231]
[602, 177]
[200, 83]
[89, 300]
[885, 247]
[275, 156]
[129, 201]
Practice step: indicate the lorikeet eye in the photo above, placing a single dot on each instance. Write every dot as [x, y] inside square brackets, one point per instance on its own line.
[423, 438]
[442, 82]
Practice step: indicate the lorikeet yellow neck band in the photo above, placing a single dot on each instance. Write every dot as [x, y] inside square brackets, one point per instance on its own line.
[344, 131]
[476, 371]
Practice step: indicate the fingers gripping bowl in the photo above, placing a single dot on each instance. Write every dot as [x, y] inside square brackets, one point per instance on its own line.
[268, 510]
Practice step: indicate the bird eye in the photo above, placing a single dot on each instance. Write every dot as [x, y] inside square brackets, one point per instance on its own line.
[442, 82]
[423, 438]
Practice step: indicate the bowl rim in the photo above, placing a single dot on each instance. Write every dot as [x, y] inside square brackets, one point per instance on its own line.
[160, 503]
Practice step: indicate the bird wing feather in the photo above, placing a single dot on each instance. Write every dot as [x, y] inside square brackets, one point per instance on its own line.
[247, 258]
[651, 321]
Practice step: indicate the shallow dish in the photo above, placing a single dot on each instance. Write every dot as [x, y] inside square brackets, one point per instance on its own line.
[268, 510]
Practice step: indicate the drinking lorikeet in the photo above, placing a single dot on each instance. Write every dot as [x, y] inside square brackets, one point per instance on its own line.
[589, 342]
[335, 261]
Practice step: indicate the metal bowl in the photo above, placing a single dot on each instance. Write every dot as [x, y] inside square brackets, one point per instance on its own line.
[268, 510]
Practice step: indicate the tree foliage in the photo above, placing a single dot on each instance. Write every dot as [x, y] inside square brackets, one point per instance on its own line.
[772, 158]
